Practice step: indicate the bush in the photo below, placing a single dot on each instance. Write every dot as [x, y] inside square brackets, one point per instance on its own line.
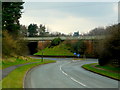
[8, 44]
[12, 46]
[104, 58]
[111, 47]
[55, 42]
[78, 46]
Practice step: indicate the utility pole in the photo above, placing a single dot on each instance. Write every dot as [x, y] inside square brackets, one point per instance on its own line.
[42, 50]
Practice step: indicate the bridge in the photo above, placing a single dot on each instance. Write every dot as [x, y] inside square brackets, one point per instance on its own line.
[33, 39]
[34, 42]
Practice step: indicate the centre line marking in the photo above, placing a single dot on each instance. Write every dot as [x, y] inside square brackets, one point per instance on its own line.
[71, 77]
[77, 81]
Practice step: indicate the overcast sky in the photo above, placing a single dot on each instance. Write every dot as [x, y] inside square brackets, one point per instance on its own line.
[68, 17]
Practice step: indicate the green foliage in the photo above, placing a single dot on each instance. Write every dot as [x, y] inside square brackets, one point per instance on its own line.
[76, 46]
[17, 60]
[79, 47]
[11, 12]
[109, 67]
[59, 50]
[32, 29]
[12, 46]
[8, 45]
[55, 42]
[111, 47]
[104, 58]
[105, 72]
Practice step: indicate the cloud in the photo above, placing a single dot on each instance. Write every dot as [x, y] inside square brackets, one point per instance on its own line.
[115, 8]
[58, 21]
[71, 24]
[62, 21]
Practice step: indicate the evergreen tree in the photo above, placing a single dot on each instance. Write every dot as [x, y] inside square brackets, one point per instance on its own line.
[32, 29]
[11, 13]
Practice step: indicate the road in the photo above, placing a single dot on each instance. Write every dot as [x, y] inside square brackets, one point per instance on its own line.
[67, 74]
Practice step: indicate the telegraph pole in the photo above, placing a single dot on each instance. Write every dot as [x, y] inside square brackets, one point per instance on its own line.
[42, 50]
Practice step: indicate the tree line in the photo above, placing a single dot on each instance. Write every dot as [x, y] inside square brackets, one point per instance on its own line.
[106, 50]
[13, 44]
[33, 30]
[109, 48]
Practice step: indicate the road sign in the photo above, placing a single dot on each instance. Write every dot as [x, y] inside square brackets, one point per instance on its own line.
[78, 55]
[75, 53]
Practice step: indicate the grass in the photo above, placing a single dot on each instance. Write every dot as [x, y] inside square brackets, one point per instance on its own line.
[102, 71]
[16, 78]
[110, 68]
[59, 50]
[15, 61]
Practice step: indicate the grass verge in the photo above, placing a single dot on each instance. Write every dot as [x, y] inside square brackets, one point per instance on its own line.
[59, 50]
[16, 77]
[104, 72]
[15, 61]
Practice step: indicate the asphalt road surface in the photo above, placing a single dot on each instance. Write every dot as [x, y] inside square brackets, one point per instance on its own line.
[66, 73]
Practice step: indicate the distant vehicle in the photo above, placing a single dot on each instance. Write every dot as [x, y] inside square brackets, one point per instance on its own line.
[76, 33]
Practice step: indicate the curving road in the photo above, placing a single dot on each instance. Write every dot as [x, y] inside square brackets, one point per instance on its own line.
[66, 73]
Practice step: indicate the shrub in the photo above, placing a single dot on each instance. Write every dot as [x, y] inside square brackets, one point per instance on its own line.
[111, 47]
[104, 58]
[12, 46]
[78, 46]
[55, 42]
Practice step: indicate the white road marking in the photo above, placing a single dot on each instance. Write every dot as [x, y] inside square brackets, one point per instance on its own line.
[64, 73]
[71, 77]
[75, 60]
[60, 68]
[77, 81]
